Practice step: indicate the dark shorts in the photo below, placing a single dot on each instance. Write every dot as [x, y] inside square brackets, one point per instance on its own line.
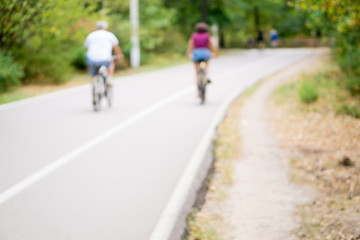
[201, 54]
[95, 65]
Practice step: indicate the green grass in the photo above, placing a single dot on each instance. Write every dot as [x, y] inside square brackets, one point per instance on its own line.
[325, 87]
[351, 110]
[251, 90]
[284, 92]
[201, 227]
[308, 91]
[9, 97]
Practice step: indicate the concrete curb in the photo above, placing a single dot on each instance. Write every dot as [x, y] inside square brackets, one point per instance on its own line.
[173, 220]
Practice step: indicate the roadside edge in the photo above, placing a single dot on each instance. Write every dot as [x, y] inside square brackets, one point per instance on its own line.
[172, 223]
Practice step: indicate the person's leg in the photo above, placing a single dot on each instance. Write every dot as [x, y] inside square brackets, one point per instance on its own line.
[111, 70]
[207, 72]
[197, 67]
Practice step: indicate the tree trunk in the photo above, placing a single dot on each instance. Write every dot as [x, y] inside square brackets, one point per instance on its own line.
[256, 18]
[204, 10]
[221, 37]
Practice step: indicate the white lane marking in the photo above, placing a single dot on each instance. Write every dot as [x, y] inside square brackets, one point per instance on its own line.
[42, 173]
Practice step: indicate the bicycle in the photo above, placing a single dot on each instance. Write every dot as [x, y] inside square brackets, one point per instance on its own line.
[100, 88]
[203, 81]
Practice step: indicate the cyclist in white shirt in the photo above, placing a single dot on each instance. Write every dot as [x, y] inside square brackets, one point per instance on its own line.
[100, 45]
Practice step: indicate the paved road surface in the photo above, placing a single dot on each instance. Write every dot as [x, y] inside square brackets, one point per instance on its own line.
[68, 173]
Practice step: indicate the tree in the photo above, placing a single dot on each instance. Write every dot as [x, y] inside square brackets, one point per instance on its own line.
[339, 20]
[38, 33]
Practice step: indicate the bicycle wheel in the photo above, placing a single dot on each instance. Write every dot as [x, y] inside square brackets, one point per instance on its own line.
[202, 85]
[109, 95]
[96, 93]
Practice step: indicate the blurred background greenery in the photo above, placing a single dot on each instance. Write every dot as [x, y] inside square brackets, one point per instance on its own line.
[41, 41]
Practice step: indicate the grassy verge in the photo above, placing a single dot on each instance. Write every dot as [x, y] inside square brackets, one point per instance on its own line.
[155, 62]
[323, 90]
[316, 120]
[207, 222]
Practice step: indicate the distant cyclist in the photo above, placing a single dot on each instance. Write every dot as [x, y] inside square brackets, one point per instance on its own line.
[200, 47]
[100, 45]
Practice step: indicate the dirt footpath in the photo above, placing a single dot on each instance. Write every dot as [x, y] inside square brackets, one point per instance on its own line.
[261, 202]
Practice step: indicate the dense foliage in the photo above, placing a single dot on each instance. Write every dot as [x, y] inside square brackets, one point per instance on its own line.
[39, 34]
[10, 73]
[239, 19]
[340, 20]
[45, 38]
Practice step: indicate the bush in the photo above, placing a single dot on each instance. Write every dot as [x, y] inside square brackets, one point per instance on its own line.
[10, 73]
[351, 110]
[308, 92]
[79, 59]
[49, 65]
[353, 84]
[348, 58]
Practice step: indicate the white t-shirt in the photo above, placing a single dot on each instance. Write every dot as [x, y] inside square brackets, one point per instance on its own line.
[100, 44]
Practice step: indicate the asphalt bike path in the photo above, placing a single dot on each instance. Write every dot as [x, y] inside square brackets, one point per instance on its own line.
[67, 172]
